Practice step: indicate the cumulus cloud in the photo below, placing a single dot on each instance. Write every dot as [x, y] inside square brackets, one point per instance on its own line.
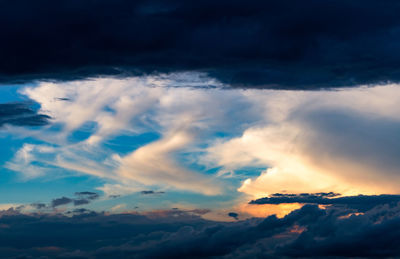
[265, 44]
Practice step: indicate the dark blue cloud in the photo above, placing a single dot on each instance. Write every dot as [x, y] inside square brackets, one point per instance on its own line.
[21, 114]
[267, 44]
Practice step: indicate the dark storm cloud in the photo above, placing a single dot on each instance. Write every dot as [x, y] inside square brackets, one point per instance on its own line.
[359, 202]
[21, 114]
[306, 232]
[267, 44]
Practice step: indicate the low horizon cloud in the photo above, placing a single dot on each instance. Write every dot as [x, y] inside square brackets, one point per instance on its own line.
[309, 231]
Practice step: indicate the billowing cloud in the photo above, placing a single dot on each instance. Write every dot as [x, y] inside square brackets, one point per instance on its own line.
[264, 44]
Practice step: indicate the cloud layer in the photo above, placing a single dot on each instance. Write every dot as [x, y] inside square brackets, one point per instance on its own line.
[263, 44]
[306, 232]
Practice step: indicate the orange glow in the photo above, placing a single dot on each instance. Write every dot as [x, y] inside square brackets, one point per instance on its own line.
[264, 210]
[297, 229]
[351, 214]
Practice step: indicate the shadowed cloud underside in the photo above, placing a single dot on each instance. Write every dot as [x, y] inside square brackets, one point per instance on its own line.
[258, 44]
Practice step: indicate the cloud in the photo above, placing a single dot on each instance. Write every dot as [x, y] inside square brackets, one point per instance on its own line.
[82, 199]
[152, 164]
[306, 232]
[267, 44]
[21, 114]
[233, 215]
[359, 202]
[150, 192]
[38, 206]
[60, 201]
[88, 195]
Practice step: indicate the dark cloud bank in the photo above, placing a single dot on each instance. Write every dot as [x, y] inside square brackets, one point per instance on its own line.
[267, 44]
[337, 231]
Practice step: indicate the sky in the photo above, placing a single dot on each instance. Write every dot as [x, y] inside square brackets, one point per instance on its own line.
[224, 129]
